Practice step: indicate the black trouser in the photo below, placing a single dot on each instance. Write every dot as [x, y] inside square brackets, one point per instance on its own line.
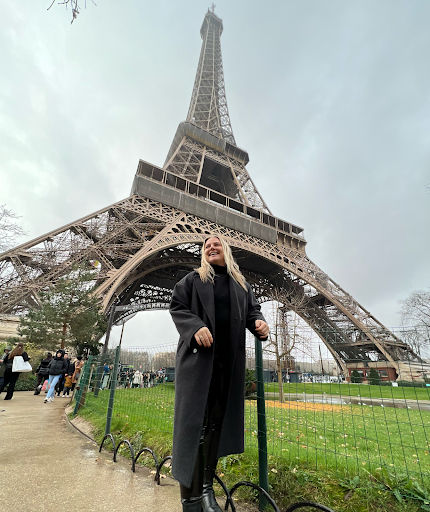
[66, 390]
[41, 379]
[60, 385]
[10, 378]
[210, 436]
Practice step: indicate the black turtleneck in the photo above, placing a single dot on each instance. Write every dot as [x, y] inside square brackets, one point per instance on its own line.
[222, 310]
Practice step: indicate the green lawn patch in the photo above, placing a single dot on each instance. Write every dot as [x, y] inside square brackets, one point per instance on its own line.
[315, 451]
[347, 390]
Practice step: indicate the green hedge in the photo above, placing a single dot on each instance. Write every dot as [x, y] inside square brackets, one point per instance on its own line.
[408, 384]
[26, 382]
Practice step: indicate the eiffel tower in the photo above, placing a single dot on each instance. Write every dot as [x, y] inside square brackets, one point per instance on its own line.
[144, 242]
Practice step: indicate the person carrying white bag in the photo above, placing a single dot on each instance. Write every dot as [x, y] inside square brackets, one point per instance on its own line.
[15, 363]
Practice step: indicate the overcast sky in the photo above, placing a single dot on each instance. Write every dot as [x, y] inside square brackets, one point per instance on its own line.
[330, 98]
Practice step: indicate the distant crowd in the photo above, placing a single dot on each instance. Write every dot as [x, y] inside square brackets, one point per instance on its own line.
[58, 375]
[55, 374]
[128, 377]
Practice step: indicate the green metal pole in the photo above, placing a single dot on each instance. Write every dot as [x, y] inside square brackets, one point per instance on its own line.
[105, 348]
[112, 390]
[83, 383]
[99, 376]
[262, 428]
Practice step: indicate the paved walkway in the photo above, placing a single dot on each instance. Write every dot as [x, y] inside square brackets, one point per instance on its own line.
[46, 466]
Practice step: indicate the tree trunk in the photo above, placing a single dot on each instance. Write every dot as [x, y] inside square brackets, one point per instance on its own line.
[280, 383]
[63, 336]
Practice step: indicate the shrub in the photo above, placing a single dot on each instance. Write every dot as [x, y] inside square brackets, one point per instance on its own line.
[355, 377]
[409, 384]
[250, 385]
[26, 382]
[374, 377]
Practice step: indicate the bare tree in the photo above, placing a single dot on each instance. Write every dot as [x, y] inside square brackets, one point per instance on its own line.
[416, 308]
[286, 333]
[75, 5]
[163, 360]
[9, 229]
[415, 314]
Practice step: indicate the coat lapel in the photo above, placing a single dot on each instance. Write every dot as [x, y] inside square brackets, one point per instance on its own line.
[205, 292]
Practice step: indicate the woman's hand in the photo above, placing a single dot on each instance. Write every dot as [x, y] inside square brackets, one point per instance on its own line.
[204, 337]
[261, 328]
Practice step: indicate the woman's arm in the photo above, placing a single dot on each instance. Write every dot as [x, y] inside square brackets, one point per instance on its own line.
[186, 322]
[25, 356]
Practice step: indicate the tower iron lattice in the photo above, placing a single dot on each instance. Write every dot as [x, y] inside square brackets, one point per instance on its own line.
[146, 241]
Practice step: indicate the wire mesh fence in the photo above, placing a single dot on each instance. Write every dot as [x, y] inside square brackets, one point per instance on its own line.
[358, 419]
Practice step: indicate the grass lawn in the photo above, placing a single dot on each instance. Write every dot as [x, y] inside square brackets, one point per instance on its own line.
[314, 449]
[362, 390]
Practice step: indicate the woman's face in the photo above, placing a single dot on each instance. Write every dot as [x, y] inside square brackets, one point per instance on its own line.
[213, 251]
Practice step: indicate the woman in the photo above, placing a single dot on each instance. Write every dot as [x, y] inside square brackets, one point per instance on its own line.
[42, 373]
[11, 377]
[211, 308]
[137, 379]
[57, 367]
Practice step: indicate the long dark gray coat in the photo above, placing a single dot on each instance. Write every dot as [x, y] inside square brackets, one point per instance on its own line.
[193, 307]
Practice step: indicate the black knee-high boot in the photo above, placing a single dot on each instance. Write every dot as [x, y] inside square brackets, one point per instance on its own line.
[193, 504]
[191, 498]
[209, 502]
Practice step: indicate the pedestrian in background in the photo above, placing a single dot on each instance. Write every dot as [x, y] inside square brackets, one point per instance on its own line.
[2, 366]
[42, 372]
[11, 377]
[72, 369]
[56, 367]
[60, 385]
[137, 379]
[67, 385]
[79, 363]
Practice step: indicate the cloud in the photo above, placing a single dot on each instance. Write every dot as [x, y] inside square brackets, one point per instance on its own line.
[331, 100]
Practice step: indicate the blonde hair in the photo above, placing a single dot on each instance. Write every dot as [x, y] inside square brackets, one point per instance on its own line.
[207, 273]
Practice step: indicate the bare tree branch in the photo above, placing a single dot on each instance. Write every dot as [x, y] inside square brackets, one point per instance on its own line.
[285, 333]
[9, 230]
[74, 4]
[416, 309]
[415, 313]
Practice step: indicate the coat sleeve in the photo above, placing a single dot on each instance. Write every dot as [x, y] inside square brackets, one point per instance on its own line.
[186, 322]
[254, 313]
[25, 356]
